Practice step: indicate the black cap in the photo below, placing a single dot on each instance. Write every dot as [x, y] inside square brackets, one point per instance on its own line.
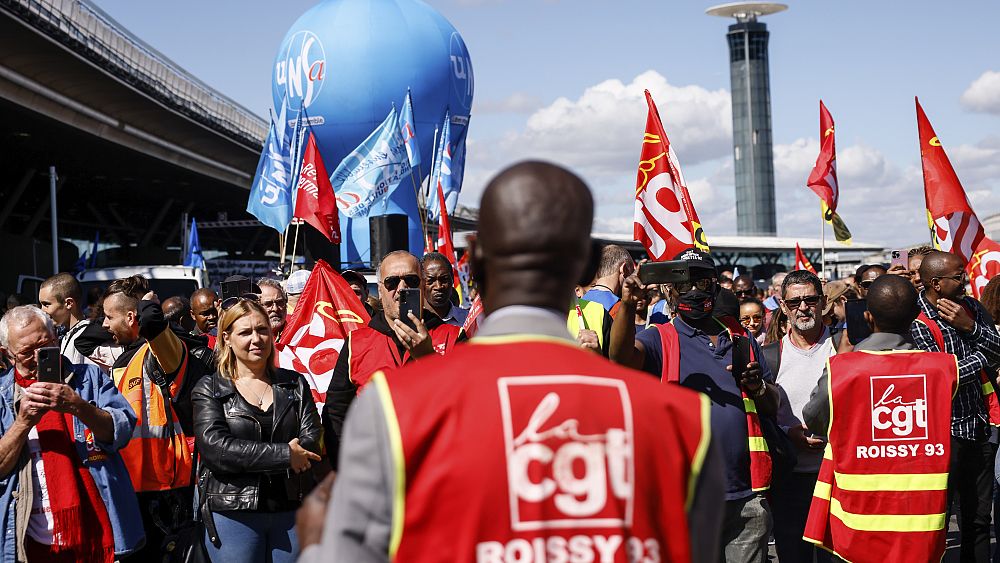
[353, 276]
[697, 259]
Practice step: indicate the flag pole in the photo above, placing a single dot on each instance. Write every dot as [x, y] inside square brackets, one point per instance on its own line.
[281, 244]
[295, 244]
[822, 228]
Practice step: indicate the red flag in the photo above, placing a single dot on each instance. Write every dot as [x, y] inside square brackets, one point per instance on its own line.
[801, 262]
[327, 311]
[665, 220]
[314, 202]
[954, 225]
[444, 244]
[823, 179]
[471, 325]
[984, 265]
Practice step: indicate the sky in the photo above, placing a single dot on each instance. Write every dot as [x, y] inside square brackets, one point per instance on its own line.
[563, 81]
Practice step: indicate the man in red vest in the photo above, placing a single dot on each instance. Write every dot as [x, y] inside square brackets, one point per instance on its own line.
[520, 446]
[385, 344]
[695, 350]
[954, 323]
[882, 487]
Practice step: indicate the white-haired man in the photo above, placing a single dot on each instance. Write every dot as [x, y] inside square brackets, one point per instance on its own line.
[59, 445]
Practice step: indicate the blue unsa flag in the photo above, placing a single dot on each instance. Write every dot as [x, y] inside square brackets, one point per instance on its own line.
[194, 258]
[373, 170]
[271, 194]
[441, 173]
[408, 130]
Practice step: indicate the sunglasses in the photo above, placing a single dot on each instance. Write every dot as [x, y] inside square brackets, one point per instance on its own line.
[392, 282]
[702, 285]
[743, 292]
[231, 301]
[794, 302]
[867, 283]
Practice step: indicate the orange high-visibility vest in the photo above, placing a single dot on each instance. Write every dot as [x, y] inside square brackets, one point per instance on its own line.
[882, 491]
[989, 393]
[158, 457]
[760, 456]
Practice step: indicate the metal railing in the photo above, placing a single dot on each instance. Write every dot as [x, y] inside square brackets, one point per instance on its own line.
[91, 34]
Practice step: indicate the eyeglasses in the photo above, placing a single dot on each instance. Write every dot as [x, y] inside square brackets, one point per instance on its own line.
[957, 278]
[392, 282]
[277, 303]
[702, 285]
[794, 302]
[867, 283]
[744, 292]
[747, 319]
[231, 301]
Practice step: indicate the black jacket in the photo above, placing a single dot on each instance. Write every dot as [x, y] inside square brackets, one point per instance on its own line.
[233, 453]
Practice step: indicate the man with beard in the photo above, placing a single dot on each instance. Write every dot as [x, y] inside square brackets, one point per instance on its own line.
[440, 280]
[696, 351]
[274, 300]
[155, 374]
[798, 360]
[952, 322]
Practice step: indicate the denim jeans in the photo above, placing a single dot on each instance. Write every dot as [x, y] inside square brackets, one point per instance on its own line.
[255, 537]
[745, 529]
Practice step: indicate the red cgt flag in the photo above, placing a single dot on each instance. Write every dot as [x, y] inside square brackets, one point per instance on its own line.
[665, 220]
[315, 202]
[327, 311]
[444, 243]
[985, 264]
[801, 262]
[823, 179]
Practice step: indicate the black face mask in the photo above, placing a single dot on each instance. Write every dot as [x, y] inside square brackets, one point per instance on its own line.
[696, 304]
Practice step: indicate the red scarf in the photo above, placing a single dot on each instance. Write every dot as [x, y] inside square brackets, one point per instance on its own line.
[80, 519]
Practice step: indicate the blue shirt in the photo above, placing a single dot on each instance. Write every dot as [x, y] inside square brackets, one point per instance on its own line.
[103, 461]
[703, 368]
[602, 296]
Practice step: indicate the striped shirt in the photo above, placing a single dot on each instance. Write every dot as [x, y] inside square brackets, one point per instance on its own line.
[975, 351]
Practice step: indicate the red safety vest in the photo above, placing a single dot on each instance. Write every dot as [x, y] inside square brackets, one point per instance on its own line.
[760, 457]
[989, 393]
[537, 450]
[370, 351]
[882, 492]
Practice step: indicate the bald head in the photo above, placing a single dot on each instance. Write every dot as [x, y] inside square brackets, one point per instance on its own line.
[937, 263]
[943, 275]
[892, 302]
[534, 235]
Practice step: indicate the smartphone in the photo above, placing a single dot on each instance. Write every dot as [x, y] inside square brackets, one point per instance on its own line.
[236, 288]
[899, 258]
[741, 355]
[49, 362]
[670, 271]
[409, 302]
[857, 326]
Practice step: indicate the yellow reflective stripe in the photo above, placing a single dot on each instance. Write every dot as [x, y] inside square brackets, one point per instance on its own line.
[523, 338]
[702, 449]
[749, 405]
[822, 490]
[396, 447]
[758, 444]
[892, 482]
[987, 388]
[888, 522]
[828, 452]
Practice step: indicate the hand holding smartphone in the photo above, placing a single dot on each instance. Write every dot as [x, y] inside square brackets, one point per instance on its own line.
[409, 302]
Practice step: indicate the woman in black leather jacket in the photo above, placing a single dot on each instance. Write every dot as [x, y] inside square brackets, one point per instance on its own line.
[257, 432]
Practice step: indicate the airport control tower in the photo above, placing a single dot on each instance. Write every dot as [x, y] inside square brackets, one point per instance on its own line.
[751, 94]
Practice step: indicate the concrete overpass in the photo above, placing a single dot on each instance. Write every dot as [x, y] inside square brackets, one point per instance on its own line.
[136, 140]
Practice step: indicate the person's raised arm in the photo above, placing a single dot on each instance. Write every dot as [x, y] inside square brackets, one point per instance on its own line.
[624, 349]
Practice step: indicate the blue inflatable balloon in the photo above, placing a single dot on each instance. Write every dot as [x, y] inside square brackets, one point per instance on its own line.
[346, 62]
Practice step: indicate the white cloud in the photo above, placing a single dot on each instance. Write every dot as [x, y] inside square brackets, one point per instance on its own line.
[983, 94]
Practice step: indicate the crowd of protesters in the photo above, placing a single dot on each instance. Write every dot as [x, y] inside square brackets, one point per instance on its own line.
[170, 433]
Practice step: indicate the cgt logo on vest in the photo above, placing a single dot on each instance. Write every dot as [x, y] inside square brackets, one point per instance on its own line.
[899, 407]
[569, 448]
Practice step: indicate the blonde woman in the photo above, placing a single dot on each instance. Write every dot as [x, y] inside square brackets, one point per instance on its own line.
[258, 433]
